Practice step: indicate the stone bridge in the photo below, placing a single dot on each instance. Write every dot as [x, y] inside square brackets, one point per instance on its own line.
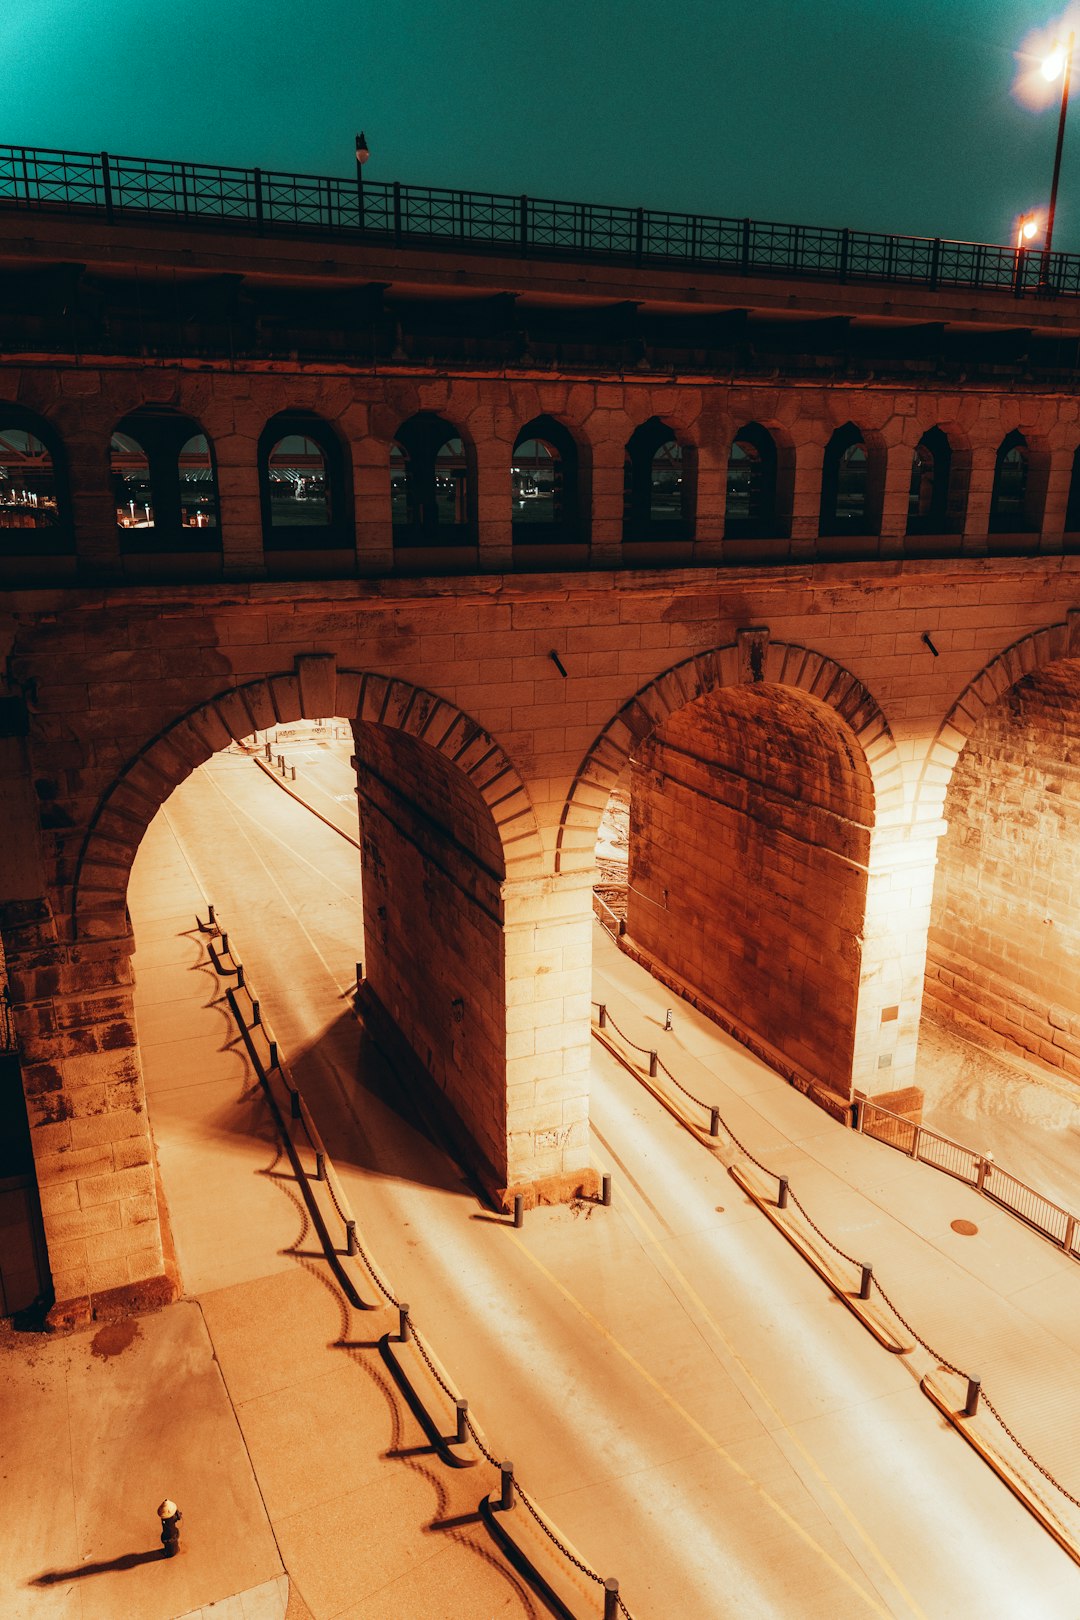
[795, 563]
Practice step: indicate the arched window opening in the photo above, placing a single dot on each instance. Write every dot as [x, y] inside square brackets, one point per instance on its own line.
[538, 483]
[164, 483]
[299, 486]
[851, 488]
[430, 484]
[133, 489]
[657, 494]
[28, 493]
[451, 483]
[928, 493]
[1009, 502]
[544, 484]
[399, 486]
[198, 494]
[303, 485]
[851, 481]
[750, 509]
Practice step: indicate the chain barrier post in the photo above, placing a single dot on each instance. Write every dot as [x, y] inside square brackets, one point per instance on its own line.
[601, 1021]
[256, 1013]
[782, 1195]
[462, 1407]
[269, 751]
[611, 1598]
[213, 918]
[865, 1280]
[506, 1489]
[359, 974]
[294, 1104]
[274, 1064]
[652, 1065]
[519, 1210]
[605, 1191]
[225, 944]
[971, 1405]
[239, 975]
[320, 1165]
[714, 1122]
[351, 1245]
[404, 1331]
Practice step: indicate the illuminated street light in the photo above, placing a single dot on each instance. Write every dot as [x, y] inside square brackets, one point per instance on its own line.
[1059, 61]
[363, 152]
[1026, 227]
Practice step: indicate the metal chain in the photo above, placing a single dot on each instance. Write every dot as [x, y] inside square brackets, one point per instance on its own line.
[944, 1361]
[552, 1537]
[660, 1064]
[810, 1221]
[1034, 1461]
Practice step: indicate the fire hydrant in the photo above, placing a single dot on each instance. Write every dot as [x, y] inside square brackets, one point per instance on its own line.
[170, 1517]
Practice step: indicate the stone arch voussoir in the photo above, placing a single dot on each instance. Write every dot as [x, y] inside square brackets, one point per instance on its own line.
[316, 689]
[752, 657]
[1032, 652]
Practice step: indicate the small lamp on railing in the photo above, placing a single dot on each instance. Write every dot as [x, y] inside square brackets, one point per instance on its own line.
[1027, 226]
[363, 152]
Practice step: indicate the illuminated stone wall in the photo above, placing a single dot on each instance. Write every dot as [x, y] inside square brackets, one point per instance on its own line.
[1004, 947]
[749, 839]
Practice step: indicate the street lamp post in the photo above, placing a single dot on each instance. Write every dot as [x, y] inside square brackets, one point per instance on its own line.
[1059, 61]
[362, 155]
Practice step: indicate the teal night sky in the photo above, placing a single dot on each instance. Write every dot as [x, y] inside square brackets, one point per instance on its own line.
[867, 113]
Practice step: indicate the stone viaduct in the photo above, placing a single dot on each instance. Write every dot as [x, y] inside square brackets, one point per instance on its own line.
[804, 574]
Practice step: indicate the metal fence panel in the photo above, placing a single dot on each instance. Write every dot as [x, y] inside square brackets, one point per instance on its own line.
[1024, 1201]
[952, 1157]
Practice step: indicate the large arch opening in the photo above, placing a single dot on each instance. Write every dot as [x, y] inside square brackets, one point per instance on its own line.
[751, 810]
[1004, 934]
[459, 932]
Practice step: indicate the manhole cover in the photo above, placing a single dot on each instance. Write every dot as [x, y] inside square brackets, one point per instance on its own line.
[965, 1228]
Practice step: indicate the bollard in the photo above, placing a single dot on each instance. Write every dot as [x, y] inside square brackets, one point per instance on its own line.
[519, 1210]
[714, 1123]
[865, 1281]
[359, 974]
[462, 1433]
[239, 975]
[274, 1064]
[602, 1019]
[256, 1014]
[971, 1405]
[781, 1197]
[506, 1495]
[652, 1065]
[269, 750]
[351, 1245]
[605, 1192]
[224, 945]
[667, 1020]
[294, 1104]
[292, 777]
[611, 1598]
[213, 918]
[320, 1165]
[403, 1332]
[281, 763]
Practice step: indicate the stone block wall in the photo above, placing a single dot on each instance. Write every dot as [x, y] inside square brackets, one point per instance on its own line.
[748, 850]
[1004, 938]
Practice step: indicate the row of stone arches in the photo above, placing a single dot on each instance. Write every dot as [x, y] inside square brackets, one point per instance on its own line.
[768, 801]
[163, 471]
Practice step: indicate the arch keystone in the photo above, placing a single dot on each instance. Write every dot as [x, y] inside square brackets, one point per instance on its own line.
[753, 645]
[317, 675]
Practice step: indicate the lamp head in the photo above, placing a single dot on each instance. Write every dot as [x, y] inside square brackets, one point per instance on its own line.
[1053, 66]
[362, 150]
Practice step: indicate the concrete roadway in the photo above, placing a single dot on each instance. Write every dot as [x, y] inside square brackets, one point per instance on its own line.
[675, 1386]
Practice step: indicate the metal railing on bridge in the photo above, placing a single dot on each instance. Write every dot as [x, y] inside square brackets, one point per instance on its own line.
[978, 1170]
[269, 200]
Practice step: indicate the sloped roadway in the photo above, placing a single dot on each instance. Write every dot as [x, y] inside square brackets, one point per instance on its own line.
[675, 1386]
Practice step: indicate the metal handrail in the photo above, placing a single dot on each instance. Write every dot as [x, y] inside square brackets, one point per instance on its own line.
[51, 179]
[1029, 1205]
